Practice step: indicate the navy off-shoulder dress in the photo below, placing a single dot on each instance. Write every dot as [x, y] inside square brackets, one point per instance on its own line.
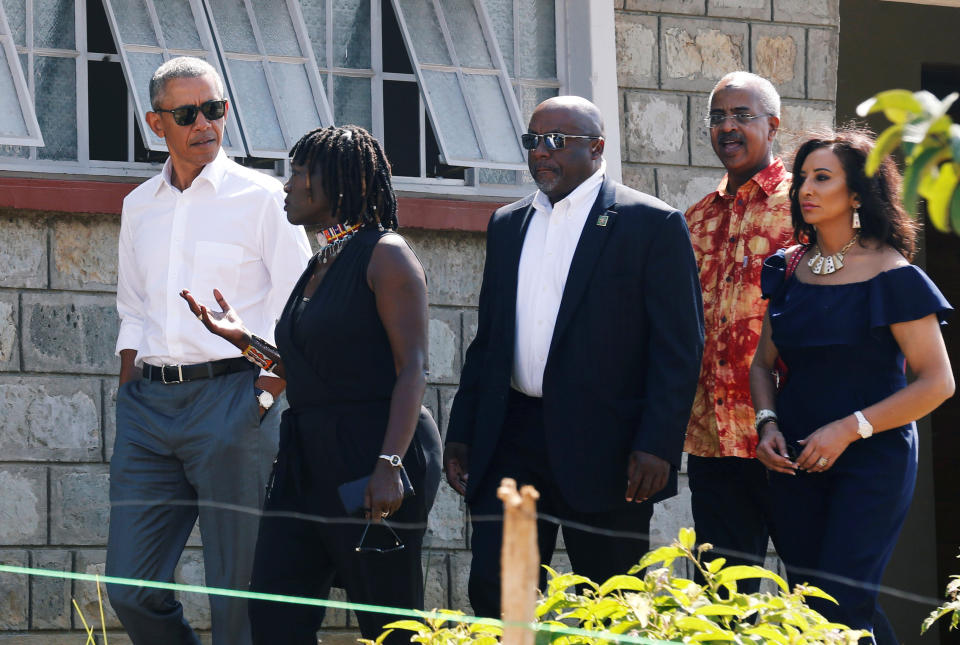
[837, 529]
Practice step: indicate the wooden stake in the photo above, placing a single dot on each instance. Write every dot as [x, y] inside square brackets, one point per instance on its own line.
[519, 560]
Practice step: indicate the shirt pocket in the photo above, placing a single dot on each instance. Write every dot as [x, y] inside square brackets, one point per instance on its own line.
[216, 265]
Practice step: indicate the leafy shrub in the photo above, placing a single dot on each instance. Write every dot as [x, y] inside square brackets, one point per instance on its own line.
[659, 605]
[951, 607]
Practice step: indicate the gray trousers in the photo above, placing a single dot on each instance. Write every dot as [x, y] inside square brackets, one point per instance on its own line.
[183, 450]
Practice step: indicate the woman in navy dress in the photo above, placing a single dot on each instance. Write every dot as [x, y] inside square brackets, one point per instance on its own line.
[839, 438]
[352, 344]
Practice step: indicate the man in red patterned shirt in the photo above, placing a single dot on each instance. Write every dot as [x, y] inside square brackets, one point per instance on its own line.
[733, 230]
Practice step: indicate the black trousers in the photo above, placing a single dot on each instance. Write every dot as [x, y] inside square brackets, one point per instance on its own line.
[522, 455]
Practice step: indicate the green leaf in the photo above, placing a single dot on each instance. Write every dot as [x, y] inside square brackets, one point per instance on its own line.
[718, 610]
[567, 580]
[939, 193]
[739, 572]
[629, 583]
[409, 625]
[920, 166]
[687, 538]
[768, 633]
[715, 565]
[955, 210]
[694, 624]
[887, 142]
[665, 554]
[897, 105]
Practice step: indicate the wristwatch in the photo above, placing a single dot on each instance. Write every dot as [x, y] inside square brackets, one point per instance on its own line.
[763, 417]
[394, 460]
[265, 398]
[864, 429]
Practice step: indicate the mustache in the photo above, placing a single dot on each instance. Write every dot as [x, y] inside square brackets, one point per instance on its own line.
[729, 137]
[544, 166]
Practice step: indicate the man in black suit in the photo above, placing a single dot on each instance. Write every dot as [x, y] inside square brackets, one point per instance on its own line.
[585, 363]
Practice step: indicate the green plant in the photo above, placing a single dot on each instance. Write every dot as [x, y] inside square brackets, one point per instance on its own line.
[930, 142]
[951, 607]
[662, 606]
[444, 631]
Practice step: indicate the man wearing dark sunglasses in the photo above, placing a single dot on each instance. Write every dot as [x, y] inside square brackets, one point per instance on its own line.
[193, 433]
[585, 362]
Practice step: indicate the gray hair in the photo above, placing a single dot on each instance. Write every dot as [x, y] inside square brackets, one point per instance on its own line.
[769, 98]
[181, 67]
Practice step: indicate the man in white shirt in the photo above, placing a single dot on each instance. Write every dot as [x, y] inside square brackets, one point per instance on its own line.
[195, 432]
[586, 358]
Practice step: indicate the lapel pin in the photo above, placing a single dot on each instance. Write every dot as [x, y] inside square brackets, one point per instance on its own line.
[602, 220]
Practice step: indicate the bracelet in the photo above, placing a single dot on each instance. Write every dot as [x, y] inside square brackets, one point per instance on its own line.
[763, 417]
[262, 354]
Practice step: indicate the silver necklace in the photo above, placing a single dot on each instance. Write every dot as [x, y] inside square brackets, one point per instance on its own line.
[821, 264]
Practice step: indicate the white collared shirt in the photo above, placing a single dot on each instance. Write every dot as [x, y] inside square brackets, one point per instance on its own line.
[228, 231]
[548, 247]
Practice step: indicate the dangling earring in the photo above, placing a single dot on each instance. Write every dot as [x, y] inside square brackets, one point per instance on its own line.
[856, 217]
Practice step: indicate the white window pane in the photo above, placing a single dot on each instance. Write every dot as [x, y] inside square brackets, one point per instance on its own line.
[53, 24]
[296, 100]
[17, 20]
[495, 176]
[531, 97]
[315, 17]
[233, 26]
[255, 108]
[493, 118]
[450, 116]
[134, 22]
[538, 39]
[501, 18]
[424, 27]
[55, 80]
[141, 69]
[176, 18]
[468, 40]
[276, 28]
[351, 34]
[351, 102]
[12, 121]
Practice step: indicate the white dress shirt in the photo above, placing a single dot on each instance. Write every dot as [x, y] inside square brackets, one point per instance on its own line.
[228, 231]
[548, 247]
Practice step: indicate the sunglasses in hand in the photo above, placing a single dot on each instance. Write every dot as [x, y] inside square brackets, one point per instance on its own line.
[398, 544]
[187, 114]
[553, 140]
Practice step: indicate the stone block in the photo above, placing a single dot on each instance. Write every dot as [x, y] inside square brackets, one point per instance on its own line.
[655, 126]
[684, 187]
[49, 419]
[798, 120]
[560, 562]
[638, 60]
[756, 9]
[779, 55]
[695, 54]
[14, 593]
[470, 322]
[445, 350]
[642, 178]
[670, 516]
[701, 150]
[92, 562]
[196, 606]
[693, 7]
[446, 402]
[84, 253]
[9, 332]
[110, 387]
[453, 261]
[823, 47]
[79, 505]
[817, 12]
[447, 522]
[435, 579]
[69, 332]
[23, 505]
[50, 604]
[338, 617]
[23, 254]
[459, 578]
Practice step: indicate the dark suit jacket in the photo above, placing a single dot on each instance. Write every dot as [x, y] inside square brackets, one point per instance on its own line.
[625, 355]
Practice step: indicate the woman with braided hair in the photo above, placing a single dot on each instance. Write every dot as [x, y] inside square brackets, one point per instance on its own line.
[352, 344]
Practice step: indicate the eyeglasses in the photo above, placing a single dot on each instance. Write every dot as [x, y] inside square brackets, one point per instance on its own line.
[398, 544]
[742, 118]
[553, 140]
[187, 114]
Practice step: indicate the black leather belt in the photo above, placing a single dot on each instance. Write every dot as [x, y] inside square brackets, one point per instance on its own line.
[173, 374]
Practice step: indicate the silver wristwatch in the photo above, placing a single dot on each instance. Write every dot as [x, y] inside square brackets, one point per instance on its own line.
[394, 460]
[864, 428]
[265, 399]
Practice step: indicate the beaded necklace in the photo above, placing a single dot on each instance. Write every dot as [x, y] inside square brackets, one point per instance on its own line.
[331, 240]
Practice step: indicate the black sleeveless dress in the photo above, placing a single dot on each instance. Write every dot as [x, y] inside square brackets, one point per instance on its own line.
[340, 378]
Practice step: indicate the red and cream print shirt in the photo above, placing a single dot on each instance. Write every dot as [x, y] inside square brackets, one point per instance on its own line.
[731, 236]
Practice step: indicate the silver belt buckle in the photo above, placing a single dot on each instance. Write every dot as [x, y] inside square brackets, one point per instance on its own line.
[163, 375]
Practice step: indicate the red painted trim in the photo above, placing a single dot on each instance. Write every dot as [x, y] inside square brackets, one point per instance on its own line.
[75, 196]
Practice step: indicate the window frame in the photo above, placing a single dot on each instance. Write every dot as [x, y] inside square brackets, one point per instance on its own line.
[24, 97]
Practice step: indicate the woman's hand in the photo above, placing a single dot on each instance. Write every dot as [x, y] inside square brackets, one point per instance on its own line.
[822, 448]
[772, 450]
[384, 493]
[224, 323]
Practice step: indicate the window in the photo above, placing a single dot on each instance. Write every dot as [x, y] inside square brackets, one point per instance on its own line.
[290, 66]
[18, 121]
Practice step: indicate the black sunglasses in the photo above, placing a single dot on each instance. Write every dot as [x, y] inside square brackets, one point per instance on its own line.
[398, 544]
[553, 140]
[187, 114]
